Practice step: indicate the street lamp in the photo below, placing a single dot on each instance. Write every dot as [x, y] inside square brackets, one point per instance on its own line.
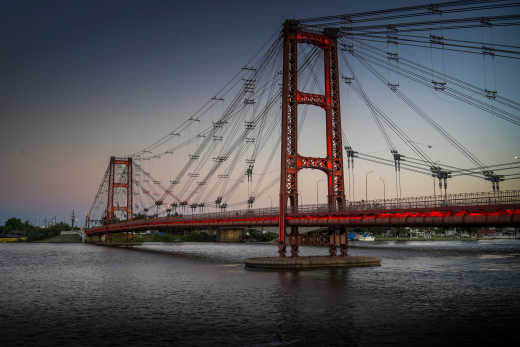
[317, 182]
[366, 184]
[384, 188]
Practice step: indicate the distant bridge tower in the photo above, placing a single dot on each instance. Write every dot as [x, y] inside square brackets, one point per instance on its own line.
[291, 160]
[126, 184]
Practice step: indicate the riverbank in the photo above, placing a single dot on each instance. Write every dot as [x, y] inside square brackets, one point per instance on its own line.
[12, 239]
[68, 238]
[437, 238]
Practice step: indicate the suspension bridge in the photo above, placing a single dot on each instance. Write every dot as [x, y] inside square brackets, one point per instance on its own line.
[249, 138]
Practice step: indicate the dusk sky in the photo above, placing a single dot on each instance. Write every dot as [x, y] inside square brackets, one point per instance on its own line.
[84, 80]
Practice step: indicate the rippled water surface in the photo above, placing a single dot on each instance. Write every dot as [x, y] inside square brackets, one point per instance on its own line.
[425, 293]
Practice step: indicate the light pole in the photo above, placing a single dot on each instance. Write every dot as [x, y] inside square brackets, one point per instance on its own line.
[317, 183]
[366, 184]
[384, 188]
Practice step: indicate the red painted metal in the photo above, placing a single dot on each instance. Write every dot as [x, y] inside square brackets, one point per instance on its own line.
[487, 209]
[291, 160]
[110, 192]
[461, 216]
[127, 185]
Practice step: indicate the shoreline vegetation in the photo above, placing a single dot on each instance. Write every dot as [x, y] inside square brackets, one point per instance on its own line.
[13, 239]
[14, 230]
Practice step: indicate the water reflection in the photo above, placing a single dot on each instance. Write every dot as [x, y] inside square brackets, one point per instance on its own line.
[200, 294]
[305, 295]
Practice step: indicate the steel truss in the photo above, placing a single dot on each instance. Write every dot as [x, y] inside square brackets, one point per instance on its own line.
[291, 160]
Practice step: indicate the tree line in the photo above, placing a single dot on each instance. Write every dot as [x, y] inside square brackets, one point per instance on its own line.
[33, 233]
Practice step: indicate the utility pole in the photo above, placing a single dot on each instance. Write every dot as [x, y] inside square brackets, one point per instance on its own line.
[73, 217]
[384, 188]
[317, 183]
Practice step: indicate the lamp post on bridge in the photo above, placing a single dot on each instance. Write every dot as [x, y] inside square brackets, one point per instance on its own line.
[384, 189]
[317, 184]
[366, 184]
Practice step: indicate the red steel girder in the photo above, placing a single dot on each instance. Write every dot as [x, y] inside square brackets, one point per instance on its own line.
[322, 164]
[419, 217]
[312, 99]
[121, 162]
[313, 39]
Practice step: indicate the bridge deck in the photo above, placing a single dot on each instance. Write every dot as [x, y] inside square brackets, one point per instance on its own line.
[476, 209]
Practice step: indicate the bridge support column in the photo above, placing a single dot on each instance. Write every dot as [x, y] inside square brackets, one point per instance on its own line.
[338, 238]
[295, 240]
[343, 242]
[281, 248]
[90, 239]
[291, 160]
[332, 242]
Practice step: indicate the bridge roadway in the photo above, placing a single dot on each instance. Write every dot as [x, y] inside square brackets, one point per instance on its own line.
[471, 209]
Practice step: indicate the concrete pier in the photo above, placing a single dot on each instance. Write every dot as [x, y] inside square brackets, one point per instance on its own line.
[230, 235]
[311, 262]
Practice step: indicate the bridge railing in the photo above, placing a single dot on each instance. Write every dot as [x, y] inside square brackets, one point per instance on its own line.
[438, 201]
[271, 214]
[259, 213]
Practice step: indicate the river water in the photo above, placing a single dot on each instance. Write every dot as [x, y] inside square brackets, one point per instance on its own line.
[425, 293]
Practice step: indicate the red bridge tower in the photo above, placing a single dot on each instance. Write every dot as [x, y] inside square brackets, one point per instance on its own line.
[291, 160]
[112, 184]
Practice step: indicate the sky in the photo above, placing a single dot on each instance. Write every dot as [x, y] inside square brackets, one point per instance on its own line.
[85, 80]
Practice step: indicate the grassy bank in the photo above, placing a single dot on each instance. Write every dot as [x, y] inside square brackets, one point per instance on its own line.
[12, 239]
[62, 239]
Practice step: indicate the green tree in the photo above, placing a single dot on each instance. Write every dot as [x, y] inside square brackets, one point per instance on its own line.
[13, 224]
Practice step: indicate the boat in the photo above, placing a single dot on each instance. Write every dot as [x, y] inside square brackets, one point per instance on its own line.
[366, 237]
